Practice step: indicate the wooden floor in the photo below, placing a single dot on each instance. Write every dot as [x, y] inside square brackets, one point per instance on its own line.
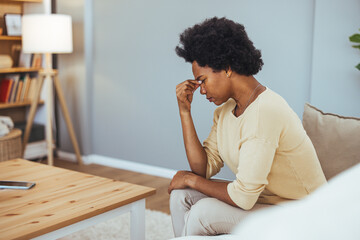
[159, 201]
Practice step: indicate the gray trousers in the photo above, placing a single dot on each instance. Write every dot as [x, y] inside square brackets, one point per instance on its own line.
[194, 213]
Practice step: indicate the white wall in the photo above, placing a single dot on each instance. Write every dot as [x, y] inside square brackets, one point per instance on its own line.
[72, 76]
[335, 80]
[133, 108]
[136, 69]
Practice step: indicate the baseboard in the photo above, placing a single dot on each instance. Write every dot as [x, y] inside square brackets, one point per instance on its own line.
[70, 157]
[131, 166]
[121, 164]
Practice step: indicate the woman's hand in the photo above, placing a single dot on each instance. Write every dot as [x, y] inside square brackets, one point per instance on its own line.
[184, 94]
[180, 180]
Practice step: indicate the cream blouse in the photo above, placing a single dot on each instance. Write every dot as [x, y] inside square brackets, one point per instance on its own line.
[266, 148]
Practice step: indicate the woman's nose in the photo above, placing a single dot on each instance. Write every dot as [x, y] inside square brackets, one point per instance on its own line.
[202, 89]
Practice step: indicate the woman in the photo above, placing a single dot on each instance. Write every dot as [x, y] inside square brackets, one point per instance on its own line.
[255, 133]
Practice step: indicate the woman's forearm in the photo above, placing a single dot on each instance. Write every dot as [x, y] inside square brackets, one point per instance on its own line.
[210, 188]
[195, 152]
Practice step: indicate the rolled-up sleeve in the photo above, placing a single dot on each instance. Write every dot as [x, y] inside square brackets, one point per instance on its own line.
[214, 161]
[255, 161]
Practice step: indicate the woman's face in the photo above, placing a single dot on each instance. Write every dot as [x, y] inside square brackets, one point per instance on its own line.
[215, 85]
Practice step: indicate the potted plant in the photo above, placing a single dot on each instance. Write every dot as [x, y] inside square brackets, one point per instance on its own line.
[356, 39]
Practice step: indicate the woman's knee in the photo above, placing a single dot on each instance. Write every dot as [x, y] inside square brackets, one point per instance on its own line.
[210, 216]
[197, 222]
[177, 196]
[184, 198]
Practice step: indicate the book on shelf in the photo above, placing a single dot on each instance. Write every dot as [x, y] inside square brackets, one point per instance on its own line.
[18, 91]
[32, 90]
[8, 92]
[4, 87]
[13, 90]
[25, 91]
[36, 150]
[22, 93]
[15, 81]
[17, 88]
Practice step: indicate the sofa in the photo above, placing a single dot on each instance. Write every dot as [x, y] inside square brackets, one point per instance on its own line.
[333, 210]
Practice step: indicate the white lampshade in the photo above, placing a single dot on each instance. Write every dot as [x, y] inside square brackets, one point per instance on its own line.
[46, 33]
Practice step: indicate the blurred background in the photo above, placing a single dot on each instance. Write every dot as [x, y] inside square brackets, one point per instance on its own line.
[120, 80]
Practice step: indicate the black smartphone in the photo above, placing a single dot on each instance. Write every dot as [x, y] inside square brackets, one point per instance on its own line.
[16, 185]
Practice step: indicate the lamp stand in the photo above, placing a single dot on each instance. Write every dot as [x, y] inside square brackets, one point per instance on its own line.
[50, 75]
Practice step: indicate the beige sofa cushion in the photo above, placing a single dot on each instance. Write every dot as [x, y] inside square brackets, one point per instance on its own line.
[336, 139]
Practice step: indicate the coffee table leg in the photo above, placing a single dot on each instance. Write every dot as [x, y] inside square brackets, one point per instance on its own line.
[137, 218]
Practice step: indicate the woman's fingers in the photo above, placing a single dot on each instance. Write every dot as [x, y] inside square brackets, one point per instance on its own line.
[186, 87]
[191, 85]
[185, 92]
[186, 95]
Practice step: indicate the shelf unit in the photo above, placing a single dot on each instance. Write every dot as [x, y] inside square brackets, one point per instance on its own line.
[18, 70]
[17, 104]
[9, 38]
[23, 1]
[18, 110]
[3, 72]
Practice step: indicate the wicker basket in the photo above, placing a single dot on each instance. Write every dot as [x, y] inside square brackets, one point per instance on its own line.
[10, 145]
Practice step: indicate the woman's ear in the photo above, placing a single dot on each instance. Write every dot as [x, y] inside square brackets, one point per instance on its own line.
[228, 72]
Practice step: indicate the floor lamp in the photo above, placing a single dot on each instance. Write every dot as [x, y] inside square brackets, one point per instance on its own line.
[47, 34]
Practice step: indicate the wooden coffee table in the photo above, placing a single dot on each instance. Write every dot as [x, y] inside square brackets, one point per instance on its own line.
[65, 201]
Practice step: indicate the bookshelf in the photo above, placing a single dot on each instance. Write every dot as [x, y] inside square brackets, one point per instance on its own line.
[16, 101]
[17, 104]
[10, 38]
[18, 110]
[23, 1]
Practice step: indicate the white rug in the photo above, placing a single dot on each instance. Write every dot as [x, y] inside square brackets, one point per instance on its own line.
[157, 227]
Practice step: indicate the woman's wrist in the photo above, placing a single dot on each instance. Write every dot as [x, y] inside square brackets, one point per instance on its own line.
[184, 113]
[190, 180]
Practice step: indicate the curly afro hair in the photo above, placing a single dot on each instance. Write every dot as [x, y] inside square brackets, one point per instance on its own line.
[220, 43]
